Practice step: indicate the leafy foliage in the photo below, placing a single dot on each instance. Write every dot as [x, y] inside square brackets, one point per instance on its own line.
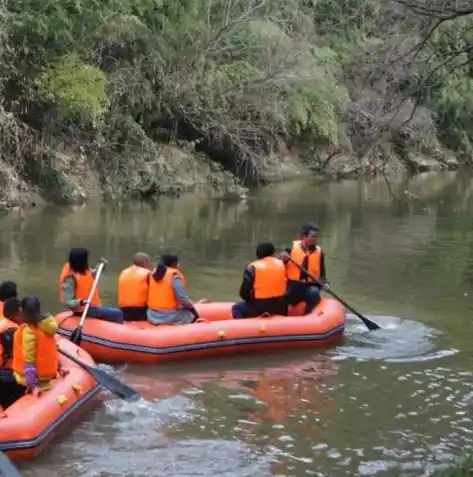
[117, 78]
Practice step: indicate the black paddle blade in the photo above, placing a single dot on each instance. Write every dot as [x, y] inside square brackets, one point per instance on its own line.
[7, 469]
[371, 325]
[76, 336]
[114, 385]
[106, 380]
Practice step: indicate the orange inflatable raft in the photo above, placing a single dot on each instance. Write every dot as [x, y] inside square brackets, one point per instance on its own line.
[31, 423]
[141, 342]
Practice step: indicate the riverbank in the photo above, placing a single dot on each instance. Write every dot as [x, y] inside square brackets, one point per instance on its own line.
[133, 100]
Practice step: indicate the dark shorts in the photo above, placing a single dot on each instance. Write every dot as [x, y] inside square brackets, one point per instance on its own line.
[10, 390]
[134, 313]
[251, 309]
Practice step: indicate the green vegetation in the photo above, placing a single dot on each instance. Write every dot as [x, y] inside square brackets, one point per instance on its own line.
[96, 88]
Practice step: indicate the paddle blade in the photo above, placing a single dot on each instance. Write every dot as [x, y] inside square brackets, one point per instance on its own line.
[7, 469]
[76, 336]
[113, 384]
[371, 325]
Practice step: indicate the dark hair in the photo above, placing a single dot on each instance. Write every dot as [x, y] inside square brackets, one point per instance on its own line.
[11, 308]
[79, 260]
[31, 308]
[308, 228]
[8, 290]
[265, 249]
[167, 260]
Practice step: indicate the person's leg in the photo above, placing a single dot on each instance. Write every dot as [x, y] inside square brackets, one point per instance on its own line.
[182, 317]
[10, 390]
[241, 309]
[276, 306]
[134, 314]
[312, 299]
[295, 293]
[113, 315]
[156, 317]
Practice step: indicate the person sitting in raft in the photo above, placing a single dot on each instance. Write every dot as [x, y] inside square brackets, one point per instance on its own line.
[306, 253]
[7, 290]
[133, 285]
[75, 284]
[10, 390]
[168, 302]
[264, 286]
[35, 355]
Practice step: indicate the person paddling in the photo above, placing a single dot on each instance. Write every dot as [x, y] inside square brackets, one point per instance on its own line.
[75, 284]
[309, 255]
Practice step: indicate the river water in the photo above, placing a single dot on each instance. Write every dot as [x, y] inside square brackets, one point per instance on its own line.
[394, 402]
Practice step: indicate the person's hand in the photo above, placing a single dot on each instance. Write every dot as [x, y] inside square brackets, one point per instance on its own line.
[325, 286]
[84, 302]
[195, 313]
[103, 260]
[284, 256]
[31, 377]
[63, 372]
[36, 391]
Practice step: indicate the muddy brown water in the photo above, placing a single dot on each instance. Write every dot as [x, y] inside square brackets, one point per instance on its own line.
[394, 402]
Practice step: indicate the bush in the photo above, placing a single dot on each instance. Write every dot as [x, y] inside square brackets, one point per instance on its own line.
[118, 77]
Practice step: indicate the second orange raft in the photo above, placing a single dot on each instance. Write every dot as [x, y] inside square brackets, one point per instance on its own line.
[141, 342]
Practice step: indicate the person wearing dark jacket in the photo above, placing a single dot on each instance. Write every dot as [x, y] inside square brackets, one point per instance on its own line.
[263, 287]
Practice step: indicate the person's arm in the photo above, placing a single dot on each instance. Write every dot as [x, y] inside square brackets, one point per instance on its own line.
[323, 270]
[246, 288]
[48, 325]
[69, 293]
[29, 346]
[181, 294]
[94, 270]
[285, 254]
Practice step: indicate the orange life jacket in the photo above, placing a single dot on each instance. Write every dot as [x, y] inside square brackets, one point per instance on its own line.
[7, 333]
[298, 255]
[84, 284]
[46, 354]
[161, 294]
[2, 304]
[133, 287]
[270, 278]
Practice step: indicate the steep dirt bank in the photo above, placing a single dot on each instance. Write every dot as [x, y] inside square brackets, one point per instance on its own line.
[71, 179]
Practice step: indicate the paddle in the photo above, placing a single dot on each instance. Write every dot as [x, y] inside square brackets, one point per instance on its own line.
[106, 380]
[371, 325]
[7, 469]
[76, 336]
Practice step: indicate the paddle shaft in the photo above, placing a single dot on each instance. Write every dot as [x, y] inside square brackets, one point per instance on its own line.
[7, 469]
[370, 324]
[91, 294]
[105, 380]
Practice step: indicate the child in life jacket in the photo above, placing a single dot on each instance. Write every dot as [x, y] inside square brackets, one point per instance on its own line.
[35, 356]
[10, 390]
